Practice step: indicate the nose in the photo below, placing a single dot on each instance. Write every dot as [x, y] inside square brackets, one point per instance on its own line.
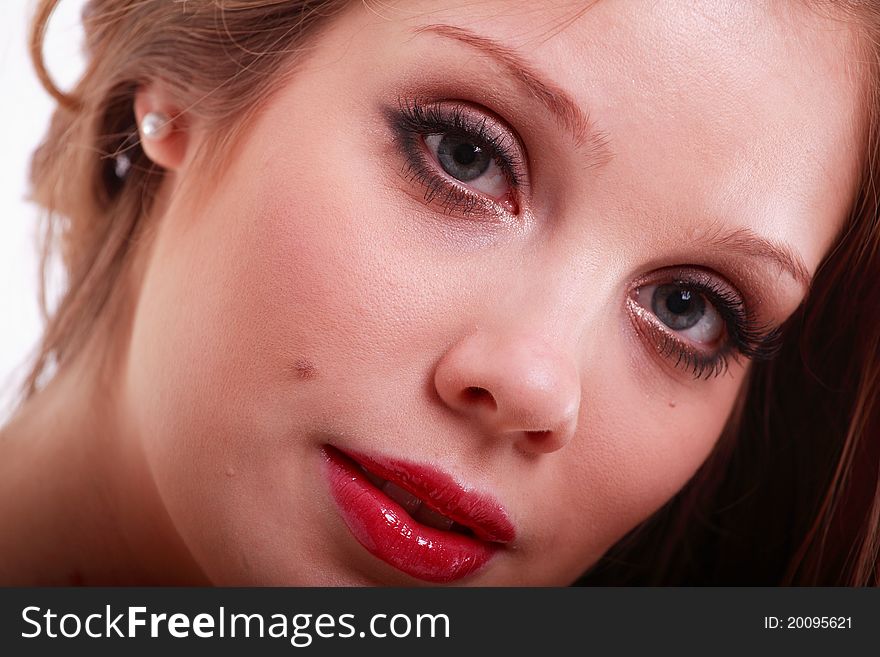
[514, 385]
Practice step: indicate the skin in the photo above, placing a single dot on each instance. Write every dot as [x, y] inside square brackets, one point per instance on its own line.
[309, 295]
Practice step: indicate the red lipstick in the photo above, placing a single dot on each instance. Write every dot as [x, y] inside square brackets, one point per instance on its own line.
[414, 518]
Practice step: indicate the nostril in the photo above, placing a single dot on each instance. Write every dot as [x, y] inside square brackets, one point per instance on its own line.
[477, 395]
[541, 442]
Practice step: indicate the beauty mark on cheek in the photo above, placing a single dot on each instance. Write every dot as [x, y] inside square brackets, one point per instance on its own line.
[304, 369]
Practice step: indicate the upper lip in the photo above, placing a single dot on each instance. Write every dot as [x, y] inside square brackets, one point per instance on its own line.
[479, 512]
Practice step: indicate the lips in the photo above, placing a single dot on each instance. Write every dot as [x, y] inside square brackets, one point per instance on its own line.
[416, 519]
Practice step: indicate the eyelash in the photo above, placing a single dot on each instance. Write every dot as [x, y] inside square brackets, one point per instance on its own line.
[745, 335]
[414, 120]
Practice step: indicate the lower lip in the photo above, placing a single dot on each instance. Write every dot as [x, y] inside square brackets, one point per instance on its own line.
[391, 534]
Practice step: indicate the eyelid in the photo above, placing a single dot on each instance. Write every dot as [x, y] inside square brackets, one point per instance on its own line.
[724, 296]
[672, 350]
[711, 325]
[744, 335]
[695, 275]
[475, 120]
[415, 119]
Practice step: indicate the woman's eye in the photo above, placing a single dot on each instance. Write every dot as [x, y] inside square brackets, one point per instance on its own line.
[683, 310]
[468, 161]
[699, 322]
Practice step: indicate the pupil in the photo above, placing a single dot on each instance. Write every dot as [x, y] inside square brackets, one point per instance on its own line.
[677, 306]
[463, 159]
[465, 154]
[679, 302]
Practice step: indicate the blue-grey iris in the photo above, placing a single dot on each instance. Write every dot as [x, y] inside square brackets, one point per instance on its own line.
[678, 307]
[461, 158]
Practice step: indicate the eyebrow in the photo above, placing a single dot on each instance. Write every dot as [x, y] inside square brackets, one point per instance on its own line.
[586, 134]
[568, 113]
[745, 242]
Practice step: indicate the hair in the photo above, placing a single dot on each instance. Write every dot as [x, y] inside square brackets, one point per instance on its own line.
[218, 59]
[789, 495]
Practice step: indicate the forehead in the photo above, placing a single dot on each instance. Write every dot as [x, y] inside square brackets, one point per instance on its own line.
[752, 107]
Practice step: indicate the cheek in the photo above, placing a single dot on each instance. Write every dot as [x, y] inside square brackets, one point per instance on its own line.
[636, 449]
[268, 313]
[266, 287]
[657, 450]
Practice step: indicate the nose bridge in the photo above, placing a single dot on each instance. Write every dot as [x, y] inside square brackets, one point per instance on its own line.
[556, 304]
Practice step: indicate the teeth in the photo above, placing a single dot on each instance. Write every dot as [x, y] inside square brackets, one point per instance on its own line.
[411, 504]
[432, 518]
[378, 482]
[405, 499]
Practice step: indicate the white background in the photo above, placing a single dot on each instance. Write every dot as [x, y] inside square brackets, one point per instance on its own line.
[24, 114]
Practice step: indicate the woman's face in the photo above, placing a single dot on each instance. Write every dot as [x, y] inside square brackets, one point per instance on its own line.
[503, 255]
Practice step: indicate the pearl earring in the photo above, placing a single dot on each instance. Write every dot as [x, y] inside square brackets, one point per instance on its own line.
[155, 125]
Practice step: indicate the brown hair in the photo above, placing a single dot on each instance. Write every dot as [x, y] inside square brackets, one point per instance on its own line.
[789, 495]
[219, 59]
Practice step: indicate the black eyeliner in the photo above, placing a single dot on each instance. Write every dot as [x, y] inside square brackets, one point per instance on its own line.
[745, 336]
[413, 120]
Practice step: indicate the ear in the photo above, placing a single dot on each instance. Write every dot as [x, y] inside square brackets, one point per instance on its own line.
[168, 147]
